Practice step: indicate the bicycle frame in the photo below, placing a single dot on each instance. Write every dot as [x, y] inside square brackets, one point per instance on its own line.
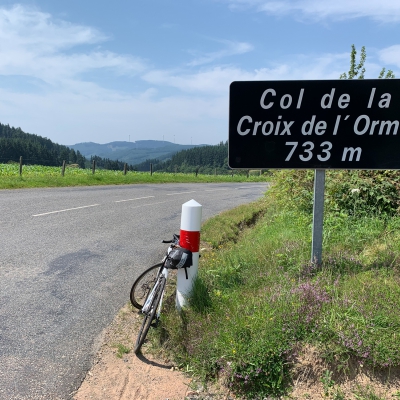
[163, 271]
[145, 309]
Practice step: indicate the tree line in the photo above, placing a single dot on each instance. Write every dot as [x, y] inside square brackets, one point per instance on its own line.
[106, 163]
[202, 160]
[36, 149]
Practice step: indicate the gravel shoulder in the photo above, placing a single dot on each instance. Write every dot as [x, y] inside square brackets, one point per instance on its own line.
[130, 376]
[149, 376]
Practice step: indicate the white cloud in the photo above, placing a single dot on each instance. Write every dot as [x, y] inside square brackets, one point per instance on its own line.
[32, 43]
[391, 55]
[198, 108]
[23, 27]
[69, 118]
[231, 49]
[216, 80]
[382, 10]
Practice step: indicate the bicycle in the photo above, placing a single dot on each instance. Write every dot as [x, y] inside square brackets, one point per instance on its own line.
[148, 289]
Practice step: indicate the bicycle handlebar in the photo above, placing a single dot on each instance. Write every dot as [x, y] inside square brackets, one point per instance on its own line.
[174, 240]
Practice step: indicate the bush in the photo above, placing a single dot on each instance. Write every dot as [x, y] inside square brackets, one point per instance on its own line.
[354, 193]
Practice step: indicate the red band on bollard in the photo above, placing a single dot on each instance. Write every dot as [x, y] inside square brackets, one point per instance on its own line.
[190, 240]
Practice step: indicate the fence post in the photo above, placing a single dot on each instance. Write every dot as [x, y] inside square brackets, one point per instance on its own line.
[151, 169]
[190, 240]
[94, 166]
[20, 165]
[63, 168]
[125, 168]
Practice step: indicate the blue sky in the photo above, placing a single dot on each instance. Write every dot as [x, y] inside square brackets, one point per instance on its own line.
[96, 70]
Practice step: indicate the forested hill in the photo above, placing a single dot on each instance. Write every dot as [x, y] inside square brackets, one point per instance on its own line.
[34, 149]
[131, 152]
[201, 159]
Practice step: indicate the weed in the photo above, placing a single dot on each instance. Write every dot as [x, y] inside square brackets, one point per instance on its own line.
[327, 382]
[121, 350]
[366, 393]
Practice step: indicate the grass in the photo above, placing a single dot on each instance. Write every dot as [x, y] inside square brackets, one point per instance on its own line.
[258, 298]
[41, 176]
[121, 350]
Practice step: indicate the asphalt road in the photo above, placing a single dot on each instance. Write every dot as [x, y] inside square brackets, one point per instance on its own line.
[68, 257]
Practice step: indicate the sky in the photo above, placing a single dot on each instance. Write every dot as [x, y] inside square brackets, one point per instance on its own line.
[125, 70]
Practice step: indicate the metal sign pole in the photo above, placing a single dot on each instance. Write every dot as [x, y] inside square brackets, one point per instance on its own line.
[318, 216]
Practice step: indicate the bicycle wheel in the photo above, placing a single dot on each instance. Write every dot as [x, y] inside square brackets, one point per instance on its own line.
[149, 316]
[143, 285]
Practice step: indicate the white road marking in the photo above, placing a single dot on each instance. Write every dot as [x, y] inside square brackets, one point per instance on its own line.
[138, 198]
[250, 187]
[214, 190]
[67, 209]
[173, 194]
[152, 204]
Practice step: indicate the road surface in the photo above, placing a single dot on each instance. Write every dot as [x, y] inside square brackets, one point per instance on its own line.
[68, 257]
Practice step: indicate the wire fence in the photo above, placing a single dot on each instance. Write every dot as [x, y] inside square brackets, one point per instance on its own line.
[123, 167]
[41, 164]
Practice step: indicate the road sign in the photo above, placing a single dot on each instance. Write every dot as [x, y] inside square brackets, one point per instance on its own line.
[327, 124]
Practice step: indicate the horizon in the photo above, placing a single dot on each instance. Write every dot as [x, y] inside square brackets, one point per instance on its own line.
[75, 71]
[142, 140]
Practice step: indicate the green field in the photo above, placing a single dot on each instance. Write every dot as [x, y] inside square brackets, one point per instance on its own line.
[42, 176]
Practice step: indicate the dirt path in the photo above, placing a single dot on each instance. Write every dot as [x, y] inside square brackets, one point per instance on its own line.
[130, 377]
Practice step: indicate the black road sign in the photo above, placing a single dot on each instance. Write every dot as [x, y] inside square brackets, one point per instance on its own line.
[328, 124]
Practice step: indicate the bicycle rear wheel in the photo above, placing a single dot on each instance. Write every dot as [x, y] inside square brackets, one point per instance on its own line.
[143, 285]
[149, 316]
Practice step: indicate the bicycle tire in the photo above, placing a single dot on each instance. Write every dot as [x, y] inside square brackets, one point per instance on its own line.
[143, 285]
[148, 317]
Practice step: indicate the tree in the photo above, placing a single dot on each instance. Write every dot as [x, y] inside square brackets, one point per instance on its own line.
[358, 70]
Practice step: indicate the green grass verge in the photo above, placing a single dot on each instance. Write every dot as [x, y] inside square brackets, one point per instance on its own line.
[258, 298]
[41, 176]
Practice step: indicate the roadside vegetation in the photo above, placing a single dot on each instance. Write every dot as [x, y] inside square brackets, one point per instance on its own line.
[259, 304]
[43, 176]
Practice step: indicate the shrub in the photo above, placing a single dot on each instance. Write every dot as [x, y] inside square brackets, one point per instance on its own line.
[353, 192]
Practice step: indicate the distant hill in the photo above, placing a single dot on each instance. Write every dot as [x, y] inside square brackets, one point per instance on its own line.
[131, 152]
[163, 155]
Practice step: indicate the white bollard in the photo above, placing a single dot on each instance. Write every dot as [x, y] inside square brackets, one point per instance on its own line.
[190, 240]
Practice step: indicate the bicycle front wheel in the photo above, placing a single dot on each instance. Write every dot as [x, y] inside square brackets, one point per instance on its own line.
[143, 285]
[149, 316]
